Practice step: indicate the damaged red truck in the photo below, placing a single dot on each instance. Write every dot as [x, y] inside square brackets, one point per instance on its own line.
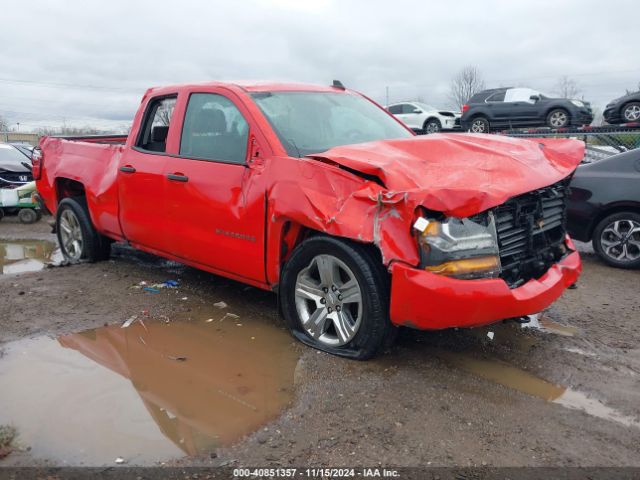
[319, 194]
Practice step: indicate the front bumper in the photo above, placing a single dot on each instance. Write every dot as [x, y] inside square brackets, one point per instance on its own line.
[427, 301]
[582, 117]
[612, 115]
[448, 123]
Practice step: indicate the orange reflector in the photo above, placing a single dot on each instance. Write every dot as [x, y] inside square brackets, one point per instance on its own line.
[467, 265]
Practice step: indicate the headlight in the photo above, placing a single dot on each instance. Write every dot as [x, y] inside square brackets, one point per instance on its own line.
[461, 248]
[577, 103]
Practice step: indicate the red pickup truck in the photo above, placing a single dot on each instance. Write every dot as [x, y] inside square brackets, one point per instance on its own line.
[321, 195]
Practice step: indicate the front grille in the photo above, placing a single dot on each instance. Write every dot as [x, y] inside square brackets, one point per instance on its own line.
[9, 179]
[531, 232]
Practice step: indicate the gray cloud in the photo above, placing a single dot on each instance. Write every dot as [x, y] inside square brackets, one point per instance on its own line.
[83, 64]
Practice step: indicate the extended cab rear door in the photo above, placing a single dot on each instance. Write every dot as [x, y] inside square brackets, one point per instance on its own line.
[215, 199]
[141, 177]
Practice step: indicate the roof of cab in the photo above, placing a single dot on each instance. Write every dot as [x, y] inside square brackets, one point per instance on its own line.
[251, 87]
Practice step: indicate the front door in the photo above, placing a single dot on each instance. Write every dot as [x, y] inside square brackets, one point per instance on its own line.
[216, 205]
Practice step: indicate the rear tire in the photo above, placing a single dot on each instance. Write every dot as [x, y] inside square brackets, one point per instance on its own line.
[479, 125]
[631, 112]
[77, 237]
[616, 239]
[28, 215]
[334, 296]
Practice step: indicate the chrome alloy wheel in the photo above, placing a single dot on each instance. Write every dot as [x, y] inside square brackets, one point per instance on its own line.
[329, 300]
[478, 126]
[620, 240]
[558, 119]
[632, 113]
[71, 235]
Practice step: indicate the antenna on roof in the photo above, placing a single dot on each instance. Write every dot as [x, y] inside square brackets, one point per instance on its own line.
[338, 84]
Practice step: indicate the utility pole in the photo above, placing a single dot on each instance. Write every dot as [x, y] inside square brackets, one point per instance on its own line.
[18, 124]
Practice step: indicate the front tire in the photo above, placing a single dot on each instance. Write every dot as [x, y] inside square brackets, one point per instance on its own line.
[616, 239]
[432, 126]
[558, 118]
[334, 295]
[77, 237]
[631, 112]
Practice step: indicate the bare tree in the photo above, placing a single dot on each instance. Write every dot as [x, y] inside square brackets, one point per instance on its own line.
[567, 87]
[633, 90]
[465, 84]
[4, 125]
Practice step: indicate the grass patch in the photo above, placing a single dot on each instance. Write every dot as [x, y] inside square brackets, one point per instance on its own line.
[7, 434]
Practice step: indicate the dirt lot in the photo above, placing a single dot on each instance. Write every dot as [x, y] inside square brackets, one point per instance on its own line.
[554, 397]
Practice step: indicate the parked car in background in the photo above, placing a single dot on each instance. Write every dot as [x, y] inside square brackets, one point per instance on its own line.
[25, 148]
[15, 166]
[522, 107]
[604, 207]
[625, 109]
[423, 118]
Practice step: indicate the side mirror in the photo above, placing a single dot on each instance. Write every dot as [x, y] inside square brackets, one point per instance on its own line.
[535, 98]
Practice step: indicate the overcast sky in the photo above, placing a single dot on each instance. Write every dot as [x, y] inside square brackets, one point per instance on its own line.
[88, 63]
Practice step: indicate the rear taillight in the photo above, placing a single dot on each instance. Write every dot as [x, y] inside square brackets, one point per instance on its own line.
[465, 107]
[37, 157]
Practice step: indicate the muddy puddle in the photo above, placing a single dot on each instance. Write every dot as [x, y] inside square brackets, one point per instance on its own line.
[150, 392]
[504, 374]
[20, 256]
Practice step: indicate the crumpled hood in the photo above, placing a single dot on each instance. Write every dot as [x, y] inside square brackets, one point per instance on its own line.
[461, 174]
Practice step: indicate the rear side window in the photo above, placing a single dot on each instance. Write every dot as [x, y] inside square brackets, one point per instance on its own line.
[214, 129]
[395, 109]
[496, 97]
[406, 108]
[153, 136]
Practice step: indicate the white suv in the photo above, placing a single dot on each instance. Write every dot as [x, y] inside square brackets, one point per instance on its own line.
[424, 118]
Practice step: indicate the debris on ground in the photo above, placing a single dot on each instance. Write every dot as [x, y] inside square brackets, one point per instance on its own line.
[127, 323]
[229, 315]
[177, 359]
[220, 305]
[156, 287]
[151, 289]
[490, 335]
[119, 460]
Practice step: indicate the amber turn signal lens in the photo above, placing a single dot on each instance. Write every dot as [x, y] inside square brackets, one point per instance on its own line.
[456, 268]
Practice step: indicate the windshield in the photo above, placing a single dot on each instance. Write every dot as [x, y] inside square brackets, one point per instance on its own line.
[12, 159]
[312, 122]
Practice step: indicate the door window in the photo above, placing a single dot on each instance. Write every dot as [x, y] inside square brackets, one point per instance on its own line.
[406, 108]
[214, 129]
[153, 136]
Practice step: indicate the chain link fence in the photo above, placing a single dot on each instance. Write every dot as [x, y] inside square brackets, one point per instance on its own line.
[599, 144]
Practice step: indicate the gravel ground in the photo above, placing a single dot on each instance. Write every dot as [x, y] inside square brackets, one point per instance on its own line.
[450, 398]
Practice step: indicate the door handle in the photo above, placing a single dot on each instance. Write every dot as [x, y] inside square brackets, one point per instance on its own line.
[178, 177]
[128, 169]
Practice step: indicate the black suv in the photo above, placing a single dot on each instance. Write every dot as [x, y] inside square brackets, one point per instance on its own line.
[522, 107]
[625, 109]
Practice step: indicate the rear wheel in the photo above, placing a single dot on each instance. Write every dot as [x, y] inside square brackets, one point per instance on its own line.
[479, 125]
[616, 239]
[334, 296]
[77, 237]
[558, 118]
[631, 112]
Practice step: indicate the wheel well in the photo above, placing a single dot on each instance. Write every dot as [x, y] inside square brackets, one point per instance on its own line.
[564, 109]
[429, 119]
[624, 105]
[293, 234]
[65, 187]
[611, 211]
